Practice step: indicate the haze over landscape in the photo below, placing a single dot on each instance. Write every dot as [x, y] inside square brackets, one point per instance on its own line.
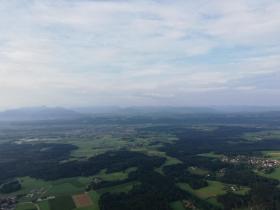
[139, 105]
[139, 53]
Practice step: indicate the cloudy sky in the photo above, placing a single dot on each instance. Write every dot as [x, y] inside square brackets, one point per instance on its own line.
[132, 52]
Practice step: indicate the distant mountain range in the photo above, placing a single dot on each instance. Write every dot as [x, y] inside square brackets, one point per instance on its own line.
[240, 109]
[59, 113]
[39, 113]
[143, 110]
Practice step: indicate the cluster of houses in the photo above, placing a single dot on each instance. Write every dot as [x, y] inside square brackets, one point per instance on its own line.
[8, 203]
[189, 205]
[258, 163]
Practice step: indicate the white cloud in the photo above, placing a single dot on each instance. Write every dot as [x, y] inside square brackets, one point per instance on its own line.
[94, 52]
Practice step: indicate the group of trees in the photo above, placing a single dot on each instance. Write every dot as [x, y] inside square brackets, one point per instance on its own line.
[10, 186]
[156, 191]
[44, 161]
[264, 196]
[35, 160]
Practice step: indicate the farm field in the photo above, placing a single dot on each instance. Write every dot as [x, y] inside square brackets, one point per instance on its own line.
[82, 200]
[39, 188]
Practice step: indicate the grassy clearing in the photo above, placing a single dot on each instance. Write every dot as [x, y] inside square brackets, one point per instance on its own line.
[118, 188]
[275, 155]
[208, 193]
[65, 189]
[120, 175]
[214, 189]
[272, 154]
[274, 175]
[77, 182]
[92, 147]
[211, 155]
[169, 160]
[88, 147]
[242, 191]
[44, 205]
[36, 188]
[31, 186]
[26, 206]
[214, 202]
[177, 205]
[95, 199]
[198, 171]
[62, 203]
[69, 186]
[262, 135]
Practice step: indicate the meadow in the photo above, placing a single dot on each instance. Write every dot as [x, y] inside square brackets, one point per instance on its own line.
[212, 191]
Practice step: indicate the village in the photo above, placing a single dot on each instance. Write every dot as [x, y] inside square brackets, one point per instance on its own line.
[259, 163]
[8, 203]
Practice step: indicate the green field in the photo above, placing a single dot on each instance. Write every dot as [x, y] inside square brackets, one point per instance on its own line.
[177, 205]
[95, 198]
[118, 188]
[275, 155]
[274, 175]
[88, 147]
[44, 205]
[58, 187]
[32, 188]
[198, 171]
[272, 154]
[120, 175]
[211, 155]
[213, 190]
[169, 160]
[62, 203]
[62, 189]
[92, 147]
[208, 193]
[26, 206]
[263, 135]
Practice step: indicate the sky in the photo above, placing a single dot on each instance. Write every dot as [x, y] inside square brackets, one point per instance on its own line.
[139, 53]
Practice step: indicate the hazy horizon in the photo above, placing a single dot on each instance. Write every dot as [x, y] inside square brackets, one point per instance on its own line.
[159, 108]
[129, 53]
